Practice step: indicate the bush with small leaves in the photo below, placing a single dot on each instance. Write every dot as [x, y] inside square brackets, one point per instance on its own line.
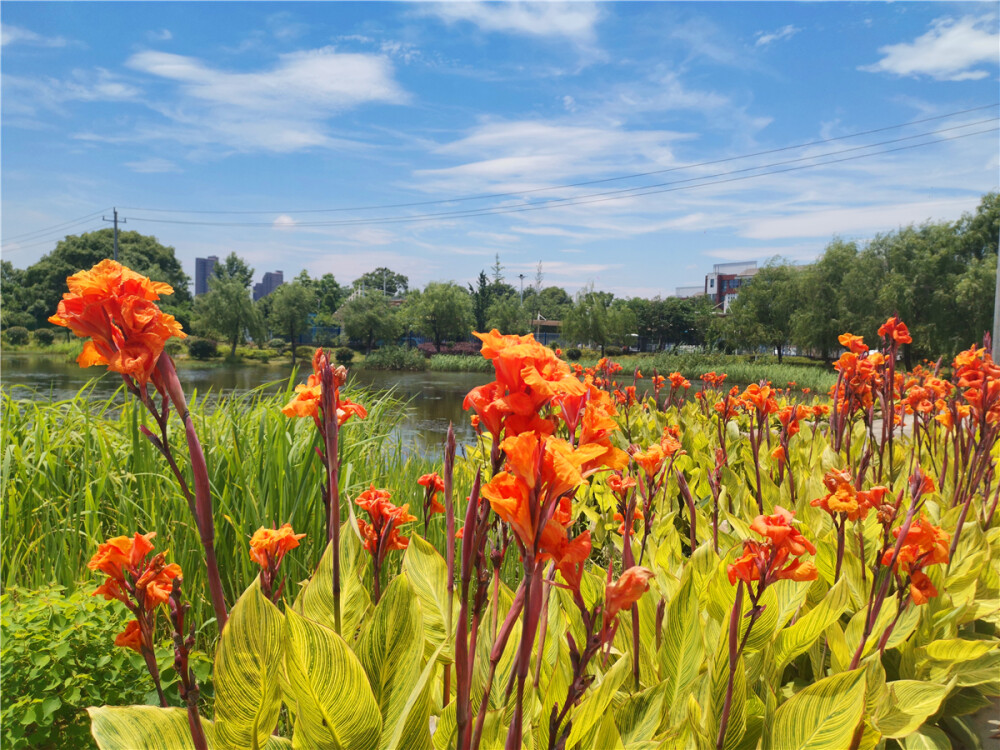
[173, 347]
[277, 343]
[573, 354]
[17, 335]
[344, 355]
[305, 352]
[44, 337]
[203, 348]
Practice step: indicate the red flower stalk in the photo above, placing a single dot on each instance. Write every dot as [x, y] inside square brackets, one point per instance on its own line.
[382, 534]
[115, 309]
[432, 484]
[141, 585]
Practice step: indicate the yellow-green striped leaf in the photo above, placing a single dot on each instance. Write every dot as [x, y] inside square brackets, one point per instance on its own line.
[910, 703]
[957, 649]
[428, 574]
[315, 601]
[327, 689]
[823, 716]
[682, 650]
[797, 638]
[247, 668]
[592, 708]
[390, 650]
[143, 728]
[926, 738]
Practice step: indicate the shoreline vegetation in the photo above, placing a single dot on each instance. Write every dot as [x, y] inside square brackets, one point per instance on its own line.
[794, 373]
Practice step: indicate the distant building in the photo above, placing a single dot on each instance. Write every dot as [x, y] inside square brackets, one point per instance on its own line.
[684, 292]
[271, 281]
[723, 284]
[203, 269]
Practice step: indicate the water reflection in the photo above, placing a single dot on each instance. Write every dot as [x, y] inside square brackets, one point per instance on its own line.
[433, 398]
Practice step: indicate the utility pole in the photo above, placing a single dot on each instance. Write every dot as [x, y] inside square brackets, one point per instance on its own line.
[521, 277]
[115, 220]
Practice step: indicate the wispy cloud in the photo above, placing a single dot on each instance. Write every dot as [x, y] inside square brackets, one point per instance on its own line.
[764, 38]
[952, 50]
[571, 21]
[163, 35]
[281, 109]
[26, 96]
[152, 165]
[18, 35]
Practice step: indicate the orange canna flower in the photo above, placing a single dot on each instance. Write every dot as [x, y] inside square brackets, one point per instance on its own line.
[509, 497]
[120, 552]
[679, 381]
[114, 308]
[433, 484]
[777, 527]
[157, 581]
[268, 546]
[626, 591]
[620, 485]
[650, 460]
[925, 544]
[852, 343]
[778, 454]
[921, 588]
[637, 515]
[895, 329]
[568, 554]
[131, 637]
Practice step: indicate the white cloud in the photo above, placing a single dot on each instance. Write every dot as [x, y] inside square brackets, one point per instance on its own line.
[163, 35]
[27, 96]
[950, 51]
[18, 35]
[282, 109]
[284, 223]
[153, 165]
[573, 21]
[768, 37]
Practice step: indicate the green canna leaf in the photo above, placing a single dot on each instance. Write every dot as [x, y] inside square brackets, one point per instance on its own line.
[315, 601]
[823, 716]
[797, 638]
[428, 574]
[247, 666]
[327, 689]
[154, 728]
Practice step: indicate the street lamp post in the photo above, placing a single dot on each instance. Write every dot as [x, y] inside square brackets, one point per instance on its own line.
[521, 277]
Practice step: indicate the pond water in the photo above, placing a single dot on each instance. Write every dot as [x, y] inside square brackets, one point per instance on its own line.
[433, 398]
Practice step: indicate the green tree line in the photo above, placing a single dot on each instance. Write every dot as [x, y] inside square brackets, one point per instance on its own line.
[938, 277]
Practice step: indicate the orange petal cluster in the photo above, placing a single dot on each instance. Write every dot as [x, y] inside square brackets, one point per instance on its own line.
[268, 546]
[113, 307]
[308, 395]
[778, 556]
[377, 503]
[626, 591]
[433, 484]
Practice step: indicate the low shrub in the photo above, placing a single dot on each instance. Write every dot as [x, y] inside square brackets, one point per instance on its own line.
[277, 343]
[427, 349]
[173, 347]
[612, 351]
[395, 358]
[44, 337]
[305, 352]
[58, 656]
[17, 335]
[573, 354]
[203, 348]
[344, 355]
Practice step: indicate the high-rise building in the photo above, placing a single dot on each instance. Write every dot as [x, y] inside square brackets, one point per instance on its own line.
[271, 281]
[203, 269]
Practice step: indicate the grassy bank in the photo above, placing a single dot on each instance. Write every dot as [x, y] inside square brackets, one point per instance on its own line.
[78, 471]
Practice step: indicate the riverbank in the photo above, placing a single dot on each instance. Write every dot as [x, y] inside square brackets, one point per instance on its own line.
[795, 373]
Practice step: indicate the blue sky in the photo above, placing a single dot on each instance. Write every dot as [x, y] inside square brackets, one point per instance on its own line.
[293, 109]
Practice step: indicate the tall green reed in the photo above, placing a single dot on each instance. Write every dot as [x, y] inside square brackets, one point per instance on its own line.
[77, 471]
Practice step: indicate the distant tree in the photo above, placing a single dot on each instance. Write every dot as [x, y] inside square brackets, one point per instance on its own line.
[481, 296]
[818, 322]
[762, 313]
[291, 306]
[587, 320]
[368, 317]
[45, 281]
[234, 268]
[228, 311]
[442, 312]
[508, 316]
[330, 295]
[13, 303]
[383, 279]
[621, 324]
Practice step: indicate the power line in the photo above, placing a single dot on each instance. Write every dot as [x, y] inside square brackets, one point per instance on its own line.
[47, 230]
[19, 247]
[608, 195]
[486, 196]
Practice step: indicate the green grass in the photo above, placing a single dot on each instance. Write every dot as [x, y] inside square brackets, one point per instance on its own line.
[78, 471]
[459, 363]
